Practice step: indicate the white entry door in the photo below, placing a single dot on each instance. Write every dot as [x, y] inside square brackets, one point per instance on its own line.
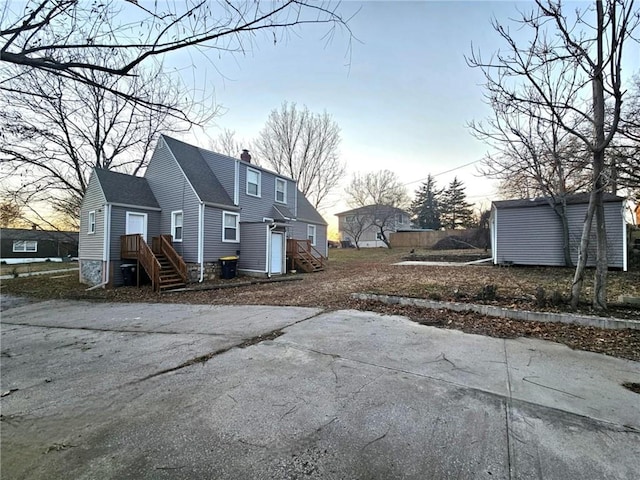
[137, 223]
[277, 248]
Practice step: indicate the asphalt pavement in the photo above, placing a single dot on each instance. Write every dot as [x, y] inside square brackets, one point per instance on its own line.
[154, 391]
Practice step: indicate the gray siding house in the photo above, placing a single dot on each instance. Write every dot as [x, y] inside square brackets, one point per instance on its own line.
[210, 205]
[359, 226]
[529, 232]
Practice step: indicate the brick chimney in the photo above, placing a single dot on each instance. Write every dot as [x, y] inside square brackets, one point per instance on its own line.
[245, 156]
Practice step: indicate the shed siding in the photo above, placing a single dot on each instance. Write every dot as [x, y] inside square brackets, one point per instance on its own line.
[214, 247]
[91, 246]
[253, 255]
[533, 235]
[173, 192]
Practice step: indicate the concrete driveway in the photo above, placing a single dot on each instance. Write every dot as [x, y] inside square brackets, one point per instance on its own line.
[99, 391]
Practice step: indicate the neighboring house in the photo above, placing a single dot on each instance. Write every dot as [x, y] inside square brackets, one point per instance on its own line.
[191, 208]
[30, 245]
[362, 226]
[529, 232]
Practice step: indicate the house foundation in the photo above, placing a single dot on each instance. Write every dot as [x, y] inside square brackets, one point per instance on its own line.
[211, 271]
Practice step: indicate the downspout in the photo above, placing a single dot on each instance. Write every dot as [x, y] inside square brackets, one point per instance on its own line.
[271, 229]
[106, 255]
[201, 240]
[236, 183]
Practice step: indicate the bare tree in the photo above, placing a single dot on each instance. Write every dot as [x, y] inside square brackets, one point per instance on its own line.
[535, 157]
[227, 144]
[568, 67]
[73, 40]
[625, 158]
[356, 225]
[11, 212]
[380, 197]
[304, 146]
[52, 139]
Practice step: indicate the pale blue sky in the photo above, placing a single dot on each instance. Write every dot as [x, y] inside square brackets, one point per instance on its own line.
[402, 96]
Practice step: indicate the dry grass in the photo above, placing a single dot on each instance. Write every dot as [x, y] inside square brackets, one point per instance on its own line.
[18, 268]
[373, 271]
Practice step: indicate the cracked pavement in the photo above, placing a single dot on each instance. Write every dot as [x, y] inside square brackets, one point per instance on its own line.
[241, 392]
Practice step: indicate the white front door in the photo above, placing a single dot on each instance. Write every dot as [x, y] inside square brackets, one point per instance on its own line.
[277, 247]
[137, 223]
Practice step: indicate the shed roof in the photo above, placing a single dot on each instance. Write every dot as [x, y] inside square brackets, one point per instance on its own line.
[205, 183]
[576, 199]
[126, 189]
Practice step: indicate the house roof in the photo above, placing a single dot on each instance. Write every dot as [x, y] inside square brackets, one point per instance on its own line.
[126, 189]
[280, 212]
[30, 234]
[204, 182]
[369, 208]
[307, 212]
[576, 199]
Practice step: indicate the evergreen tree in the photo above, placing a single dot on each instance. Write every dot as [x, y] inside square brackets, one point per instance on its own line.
[425, 209]
[455, 211]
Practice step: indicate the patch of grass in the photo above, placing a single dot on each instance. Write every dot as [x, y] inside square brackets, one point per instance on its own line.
[342, 256]
[6, 269]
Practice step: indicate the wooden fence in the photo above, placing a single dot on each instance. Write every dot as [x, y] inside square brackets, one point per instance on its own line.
[420, 239]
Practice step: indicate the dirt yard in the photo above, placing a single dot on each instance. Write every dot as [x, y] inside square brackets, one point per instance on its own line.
[372, 271]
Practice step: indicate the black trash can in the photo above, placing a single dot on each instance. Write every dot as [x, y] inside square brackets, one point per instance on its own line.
[129, 277]
[228, 267]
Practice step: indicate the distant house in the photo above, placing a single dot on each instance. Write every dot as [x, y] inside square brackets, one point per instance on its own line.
[193, 207]
[31, 245]
[529, 232]
[362, 226]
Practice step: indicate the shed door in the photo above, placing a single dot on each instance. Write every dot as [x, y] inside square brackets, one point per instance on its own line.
[277, 248]
[137, 223]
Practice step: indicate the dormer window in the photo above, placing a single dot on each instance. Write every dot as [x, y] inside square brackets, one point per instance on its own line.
[281, 190]
[253, 182]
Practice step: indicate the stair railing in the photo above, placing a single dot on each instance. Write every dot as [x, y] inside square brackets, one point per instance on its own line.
[178, 264]
[303, 249]
[134, 246]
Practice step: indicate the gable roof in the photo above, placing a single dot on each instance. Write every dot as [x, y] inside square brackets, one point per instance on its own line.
[125, 189]
[31, 234]
[368, 209]
[575, 199]
[307, 212]
[206, 185]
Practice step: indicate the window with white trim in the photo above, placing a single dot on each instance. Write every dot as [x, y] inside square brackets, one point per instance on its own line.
[253, 182]
[25, 246]
[281, 190]
[230, 230]
[311, 234]
[176, 225]
[91, 228]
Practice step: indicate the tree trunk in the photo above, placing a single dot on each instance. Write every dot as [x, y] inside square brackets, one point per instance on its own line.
[600, 280]
[578, 277]
[561, 211]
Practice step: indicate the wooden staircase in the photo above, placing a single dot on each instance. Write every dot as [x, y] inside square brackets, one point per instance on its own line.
[163, 264]
[170, 278]
[303, 256]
